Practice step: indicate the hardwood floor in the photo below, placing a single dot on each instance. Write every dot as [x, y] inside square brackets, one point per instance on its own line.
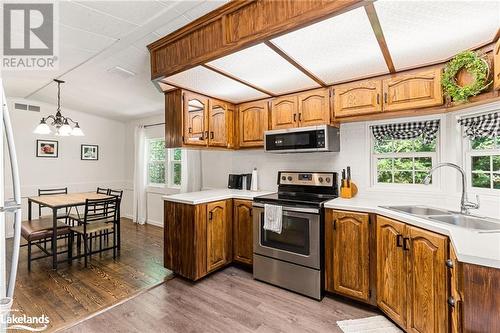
[74, 292]
[227, 301]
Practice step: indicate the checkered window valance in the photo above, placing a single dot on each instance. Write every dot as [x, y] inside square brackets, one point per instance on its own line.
[427, 130]
[483, 126]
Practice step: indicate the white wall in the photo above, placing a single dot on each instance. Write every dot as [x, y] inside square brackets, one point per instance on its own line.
[68, 170]
[355, 152]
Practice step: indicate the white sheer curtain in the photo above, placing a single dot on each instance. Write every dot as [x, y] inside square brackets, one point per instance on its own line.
[191, 180]
[140, 209]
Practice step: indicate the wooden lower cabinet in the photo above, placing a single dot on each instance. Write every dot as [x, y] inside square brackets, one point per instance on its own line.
[197, 238]
[391, 270]
[242, 231]
[456, 299]
[347, 254]
[411, 276]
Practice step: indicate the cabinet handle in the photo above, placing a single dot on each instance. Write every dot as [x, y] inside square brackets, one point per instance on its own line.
[210, 215]
[406, 244]
[300, 116]
[399, 240]
[294, 117]
[449, 263]
[190, 130]
[378, 98]
[385, 98]
[451, 302]
[335, 224]
[206, 134]
[211, 135]
[251, 212]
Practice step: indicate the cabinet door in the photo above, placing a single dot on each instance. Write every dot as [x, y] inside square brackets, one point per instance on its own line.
[243, 231]
[455, 288]
[350, 269]
[413, 91]
[217, 123]
[357, 98]
[391, 269]
[195, 113]
[284, 112]
[314, 108]
[217, 235]
[427, 283]
[496, 64]
[253, 121]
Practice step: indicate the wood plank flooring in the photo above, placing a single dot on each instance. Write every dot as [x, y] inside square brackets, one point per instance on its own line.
[226, 301]
[74, 292]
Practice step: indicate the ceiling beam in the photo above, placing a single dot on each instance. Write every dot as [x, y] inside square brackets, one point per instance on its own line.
[292, 61]
[379, 34]
[237, 79]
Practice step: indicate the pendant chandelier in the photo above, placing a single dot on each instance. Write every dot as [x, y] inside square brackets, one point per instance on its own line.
[58, 121]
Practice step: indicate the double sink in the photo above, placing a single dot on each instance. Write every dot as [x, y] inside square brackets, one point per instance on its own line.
[451, 218]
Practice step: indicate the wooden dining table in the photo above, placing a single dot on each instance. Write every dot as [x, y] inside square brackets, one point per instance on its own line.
[61, 201]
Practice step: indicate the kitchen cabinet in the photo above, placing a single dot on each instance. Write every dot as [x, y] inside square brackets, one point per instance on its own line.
[195, 119]
[347, 254]
[314, 108]
[220, 124]
[284, 112]
[358, 98]
[305, 109]
[391, 271]
[496, 65]
[413, 259]
[455, 301]
[413, 91]
[197, 238]
[253, 121]
[243, 231]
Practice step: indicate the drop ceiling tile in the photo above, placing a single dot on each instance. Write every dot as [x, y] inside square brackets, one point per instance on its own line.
[264, 68]
[181, 6]
[173, 25]
[82, 40]
[136, 12]
[204, 8]
[77, 16]
[213, 84]
[340, 48]
[419, 32]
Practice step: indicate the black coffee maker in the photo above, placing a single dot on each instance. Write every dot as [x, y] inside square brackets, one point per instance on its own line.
[240, 182]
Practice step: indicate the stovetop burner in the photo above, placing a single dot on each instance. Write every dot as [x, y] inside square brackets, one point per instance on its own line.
[303, 189]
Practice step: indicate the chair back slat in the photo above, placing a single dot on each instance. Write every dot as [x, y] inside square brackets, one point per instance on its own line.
[101, 190]
[101, 209]
[50, 191]
[116, 193]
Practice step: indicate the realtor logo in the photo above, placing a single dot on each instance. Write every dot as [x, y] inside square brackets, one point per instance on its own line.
[29, 36]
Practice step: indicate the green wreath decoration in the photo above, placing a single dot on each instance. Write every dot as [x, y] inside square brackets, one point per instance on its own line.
[472, 63]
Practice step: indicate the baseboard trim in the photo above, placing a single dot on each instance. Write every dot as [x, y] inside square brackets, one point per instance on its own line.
[155, 223]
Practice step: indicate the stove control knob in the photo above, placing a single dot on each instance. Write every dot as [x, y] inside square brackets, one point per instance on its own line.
[289, 178]
[320, 179]
[327, 179]
[283, 178]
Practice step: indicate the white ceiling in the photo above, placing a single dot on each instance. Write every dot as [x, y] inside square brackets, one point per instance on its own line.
[96, 36]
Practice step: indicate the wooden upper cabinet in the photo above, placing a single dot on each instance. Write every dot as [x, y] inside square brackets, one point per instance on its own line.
[427, 284]
[243, 231]
[253, 121]
[218, 121]
[195, 119]
[411, 91]
[314, 108]
[218, 233]
[357, 98]
[391, 269]
[284, 112]
[350, 270]
[496, 64]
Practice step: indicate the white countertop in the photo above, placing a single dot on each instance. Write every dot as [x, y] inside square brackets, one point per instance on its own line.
[200, 197]
[480, 248]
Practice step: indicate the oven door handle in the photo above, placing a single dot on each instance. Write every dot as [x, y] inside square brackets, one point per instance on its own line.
[292, 209]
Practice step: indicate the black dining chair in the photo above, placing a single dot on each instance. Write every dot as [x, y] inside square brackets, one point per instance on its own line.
[119, 195]
[100, 215]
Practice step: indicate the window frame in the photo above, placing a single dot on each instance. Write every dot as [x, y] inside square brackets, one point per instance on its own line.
[435, 156]
[468, 153]
[148, 160]
[170, 167]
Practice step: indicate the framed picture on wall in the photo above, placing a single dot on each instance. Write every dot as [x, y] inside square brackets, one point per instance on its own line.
[47, 148]
[90, 152]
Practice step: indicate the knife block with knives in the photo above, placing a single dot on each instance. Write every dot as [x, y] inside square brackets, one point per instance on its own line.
[347, 188]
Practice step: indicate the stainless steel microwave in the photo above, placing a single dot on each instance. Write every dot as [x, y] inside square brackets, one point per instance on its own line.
[303, 139]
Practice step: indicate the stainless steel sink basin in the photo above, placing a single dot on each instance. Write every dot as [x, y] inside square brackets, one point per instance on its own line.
[419, 210]
[469, 222]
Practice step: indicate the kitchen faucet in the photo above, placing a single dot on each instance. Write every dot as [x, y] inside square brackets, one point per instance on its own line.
[465, 204]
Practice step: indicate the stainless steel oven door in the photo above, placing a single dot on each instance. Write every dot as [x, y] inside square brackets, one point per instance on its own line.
[299, 240]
